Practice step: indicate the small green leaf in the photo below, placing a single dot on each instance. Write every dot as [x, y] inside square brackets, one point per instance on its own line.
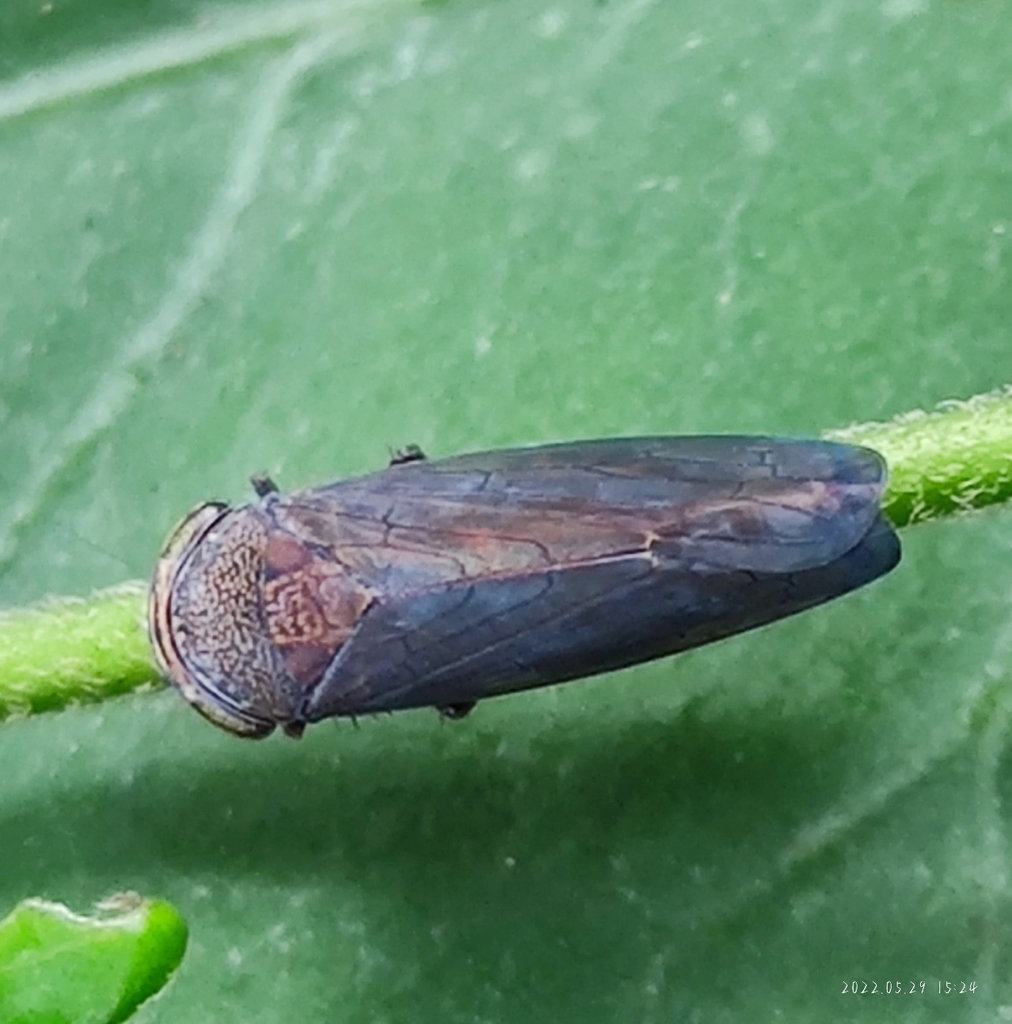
[57, 967]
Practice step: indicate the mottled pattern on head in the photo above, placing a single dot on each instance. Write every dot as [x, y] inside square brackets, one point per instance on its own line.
[218, 626]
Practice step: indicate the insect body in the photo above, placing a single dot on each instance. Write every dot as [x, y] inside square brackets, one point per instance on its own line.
[440, 583]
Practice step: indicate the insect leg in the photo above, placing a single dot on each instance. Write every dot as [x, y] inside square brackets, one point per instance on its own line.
[409, 453]
[263, 485]
[455, 712]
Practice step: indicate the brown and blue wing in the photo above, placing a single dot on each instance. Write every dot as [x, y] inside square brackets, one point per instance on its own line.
[502, 571]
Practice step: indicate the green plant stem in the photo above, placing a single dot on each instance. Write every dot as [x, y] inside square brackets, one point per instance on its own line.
[954, 459]
[74, 650]
[78, 650]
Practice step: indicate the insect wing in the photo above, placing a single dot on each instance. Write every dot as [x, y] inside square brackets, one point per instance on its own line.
[728, 502]
[502, 571]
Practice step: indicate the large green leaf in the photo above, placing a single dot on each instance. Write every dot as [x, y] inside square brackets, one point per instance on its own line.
[290, 237]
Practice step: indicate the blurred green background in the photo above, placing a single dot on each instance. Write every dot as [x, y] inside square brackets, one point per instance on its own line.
[290, 237]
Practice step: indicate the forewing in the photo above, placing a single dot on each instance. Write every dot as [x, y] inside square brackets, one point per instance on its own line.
[518, 568]
[717, 503]
[473, 639]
